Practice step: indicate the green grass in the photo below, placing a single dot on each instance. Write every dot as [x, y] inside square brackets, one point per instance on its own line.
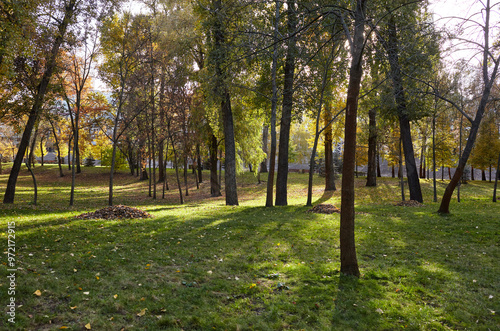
[205, 266]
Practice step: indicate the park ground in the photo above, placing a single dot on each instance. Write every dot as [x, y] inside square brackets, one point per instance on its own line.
[206, 266]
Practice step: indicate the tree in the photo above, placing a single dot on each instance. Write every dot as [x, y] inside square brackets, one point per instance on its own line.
[121, 39]
[348, 259]
[371, 175]
[68, 10]
[402, 20]
[485, 152]
[218, 20]
[489, 67]
[286, 109]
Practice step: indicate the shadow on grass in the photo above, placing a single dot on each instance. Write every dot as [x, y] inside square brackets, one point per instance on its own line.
[327, 195]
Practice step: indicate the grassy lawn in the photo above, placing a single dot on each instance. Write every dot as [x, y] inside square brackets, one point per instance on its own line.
[205, 266]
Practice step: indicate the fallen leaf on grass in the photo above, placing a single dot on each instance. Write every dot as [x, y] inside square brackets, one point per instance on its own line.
[73, 307]
[380, 311]
[63, 327]
[142, 312]
[37, 293]
[115, 296]
[88, 327]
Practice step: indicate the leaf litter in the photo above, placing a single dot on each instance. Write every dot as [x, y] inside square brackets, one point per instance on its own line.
[115, 212]
[324, 209]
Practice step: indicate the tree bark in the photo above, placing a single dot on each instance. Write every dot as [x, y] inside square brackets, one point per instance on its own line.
[214, 182]
[496, 179]
[286, 110]
[329, 165]
[265, 136]
[371, 175]
[186, 175]
[379, 173]
[226, 111]
[199, 164]
[161, 165]
[38, 102]
[391, 46]
[348, 259]
[230, 149]
[274, 103]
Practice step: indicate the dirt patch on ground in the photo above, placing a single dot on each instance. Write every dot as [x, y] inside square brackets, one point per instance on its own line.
[115, 212]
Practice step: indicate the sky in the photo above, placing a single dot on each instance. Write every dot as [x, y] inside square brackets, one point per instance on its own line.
[446, 13]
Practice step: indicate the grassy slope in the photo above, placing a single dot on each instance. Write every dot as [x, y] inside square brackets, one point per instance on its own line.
[205, 266]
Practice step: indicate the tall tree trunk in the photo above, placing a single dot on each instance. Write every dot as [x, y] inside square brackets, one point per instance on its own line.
[38, 102]
[496, 180]
[69, 153]
[371, 175]
[42, 162]
[214, 182]
[401, 175]
[329, 165]
[176, 160]
[379, 173]
[472, 173]
[28, 162]
[226, 111]
[265, 137]
[78, 159]
[274, 103]
[199, 164]
[434, 184]
[61, 174]
[286, 110]
[161, 166]
[150, 166]
[165, 181]
[348, 259]
[74, 160]
[230, 154]
[186, 174]
[483, 175]
[392, 46]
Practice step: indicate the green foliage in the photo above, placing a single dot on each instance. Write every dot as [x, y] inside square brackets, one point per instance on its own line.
[120, 162]
[487, 147]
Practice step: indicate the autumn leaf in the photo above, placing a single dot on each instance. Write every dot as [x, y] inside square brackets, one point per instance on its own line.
[73, 307]
[63, 327]
[142, 312]
[87, 326]
[37, 293]
[115, 296]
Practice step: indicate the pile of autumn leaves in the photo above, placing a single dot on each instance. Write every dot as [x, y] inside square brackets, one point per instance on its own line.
[115, 212]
